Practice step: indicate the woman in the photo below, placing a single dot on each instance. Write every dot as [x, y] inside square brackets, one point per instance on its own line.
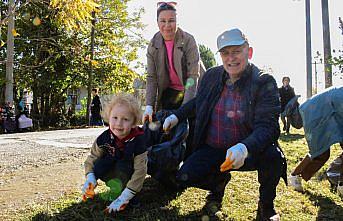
[173, 64]
[286, 94]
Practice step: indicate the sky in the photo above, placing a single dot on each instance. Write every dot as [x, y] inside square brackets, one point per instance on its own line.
[275, 29]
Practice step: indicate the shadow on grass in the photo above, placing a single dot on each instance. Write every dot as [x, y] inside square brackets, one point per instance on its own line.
[290, 137]
[328, 209]
[154, 201]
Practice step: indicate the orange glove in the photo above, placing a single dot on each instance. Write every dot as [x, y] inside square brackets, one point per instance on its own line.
[227, 165]
[235, 157]
[89, 193]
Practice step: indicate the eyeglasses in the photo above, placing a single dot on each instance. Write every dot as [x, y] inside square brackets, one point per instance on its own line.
[163, 4]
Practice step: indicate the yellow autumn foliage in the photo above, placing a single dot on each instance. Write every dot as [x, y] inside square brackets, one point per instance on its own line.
[73, 14]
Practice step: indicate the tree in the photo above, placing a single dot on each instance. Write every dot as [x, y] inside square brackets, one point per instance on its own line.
[3, 33]
[10, 51]
[66, 13]
[73, 14]
[42, 61]
[207, 56]
[49, 59]
[337, 59]
[337, 56]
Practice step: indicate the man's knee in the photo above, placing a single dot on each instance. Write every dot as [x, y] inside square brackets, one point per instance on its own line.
[183, 177]
[272, 162]
[273, 154]
[190, 176]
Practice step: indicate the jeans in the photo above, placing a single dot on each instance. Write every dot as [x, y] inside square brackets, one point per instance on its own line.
[202, 170]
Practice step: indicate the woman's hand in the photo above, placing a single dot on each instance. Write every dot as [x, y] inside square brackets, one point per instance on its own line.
[148, 114]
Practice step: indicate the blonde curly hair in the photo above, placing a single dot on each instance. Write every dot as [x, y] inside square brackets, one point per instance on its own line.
[124, 99]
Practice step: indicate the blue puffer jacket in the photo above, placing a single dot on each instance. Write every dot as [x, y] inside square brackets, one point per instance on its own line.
[263, 106]
[322, 117]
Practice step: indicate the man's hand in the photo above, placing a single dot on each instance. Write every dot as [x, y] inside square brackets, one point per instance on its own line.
[227, 165]
[148, 114]
[121, 202]
[235, 157]
[89, 186]
[170, 122]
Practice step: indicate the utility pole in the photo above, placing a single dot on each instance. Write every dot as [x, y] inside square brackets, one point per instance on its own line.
[0, 26]
[327, 44]
[308, 49]
[10, 54]
[315, 77]
[90, 73]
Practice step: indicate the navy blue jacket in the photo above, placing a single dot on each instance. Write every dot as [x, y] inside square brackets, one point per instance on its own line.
[286, 94]
[263, 106]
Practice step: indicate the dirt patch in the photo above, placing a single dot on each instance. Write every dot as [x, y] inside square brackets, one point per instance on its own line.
[40, 167]
[37, 185]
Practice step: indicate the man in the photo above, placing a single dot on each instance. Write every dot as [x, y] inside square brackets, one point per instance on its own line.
[95, 109]
[236, 118]
[286, 94]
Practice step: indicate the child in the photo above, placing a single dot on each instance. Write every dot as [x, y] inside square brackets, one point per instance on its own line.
[119, 153]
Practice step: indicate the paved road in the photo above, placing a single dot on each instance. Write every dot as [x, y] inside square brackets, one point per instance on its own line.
[80, 138]
[38, 167]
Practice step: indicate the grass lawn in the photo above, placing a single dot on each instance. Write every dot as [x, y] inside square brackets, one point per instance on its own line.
[240, 201]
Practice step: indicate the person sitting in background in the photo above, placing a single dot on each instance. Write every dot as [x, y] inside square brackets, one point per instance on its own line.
[9, 121]
[22, 118]
[119, 153]
[236, 122]
[286, 94]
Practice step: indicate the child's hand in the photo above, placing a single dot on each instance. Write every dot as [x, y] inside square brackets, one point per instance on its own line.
[121, 202]
[115, 206]
[89, 186]
[89, 192]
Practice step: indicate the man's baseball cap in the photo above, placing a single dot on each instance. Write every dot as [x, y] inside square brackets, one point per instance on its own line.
[231, 37]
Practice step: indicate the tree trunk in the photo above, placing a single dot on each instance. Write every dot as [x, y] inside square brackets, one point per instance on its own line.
[90, 74]
[10, 52]
[35, 110]
[42, 114]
